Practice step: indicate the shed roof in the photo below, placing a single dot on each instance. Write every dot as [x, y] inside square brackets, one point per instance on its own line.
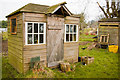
[110, 20]
[37, 8]
[52, 8]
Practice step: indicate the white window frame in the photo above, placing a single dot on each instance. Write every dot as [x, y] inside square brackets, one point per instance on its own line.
[72, 33]
[104, 38]
[26, 34]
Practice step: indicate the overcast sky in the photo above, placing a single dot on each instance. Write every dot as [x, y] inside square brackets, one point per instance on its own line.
[90, 7]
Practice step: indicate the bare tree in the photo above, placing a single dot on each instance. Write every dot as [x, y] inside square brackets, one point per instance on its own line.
[111, 11]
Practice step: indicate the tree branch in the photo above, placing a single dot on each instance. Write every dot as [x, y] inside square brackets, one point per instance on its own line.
[107, 4]
[103, 10]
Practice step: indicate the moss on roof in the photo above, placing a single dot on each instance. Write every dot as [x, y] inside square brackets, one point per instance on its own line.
[31, 8]
[17, 10]
[37, 8]
[52, 8]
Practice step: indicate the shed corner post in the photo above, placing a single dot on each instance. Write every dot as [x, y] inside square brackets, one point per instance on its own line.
[23, 31]
[119, 38]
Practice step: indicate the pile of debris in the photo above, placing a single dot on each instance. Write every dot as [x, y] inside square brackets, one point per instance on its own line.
[40, 71]
[86, 60]
[93, 45]
[66, 67]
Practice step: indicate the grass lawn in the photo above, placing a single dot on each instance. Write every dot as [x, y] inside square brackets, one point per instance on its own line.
[5, 35]
[105, 66]
[85, 37]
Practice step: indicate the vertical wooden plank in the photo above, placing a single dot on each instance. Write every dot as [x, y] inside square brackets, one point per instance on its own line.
[55, 40]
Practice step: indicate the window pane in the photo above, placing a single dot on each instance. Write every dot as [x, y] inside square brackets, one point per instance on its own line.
[35, 27]
[29, 27]
[41, 28]
[74, 37]
[74, 28]
[102, 38]
[13, 25]
[13, 29]
[71, 28]
[41, 38]
[105, 38]
[35, 38]
[29, 38]
[67, 37]
[67, 28]
[71, 37]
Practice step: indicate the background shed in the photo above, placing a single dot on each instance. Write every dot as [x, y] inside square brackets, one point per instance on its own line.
[111, 29]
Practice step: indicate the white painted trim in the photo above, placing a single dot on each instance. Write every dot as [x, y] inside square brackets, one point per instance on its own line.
[38, 32]
[77, 34]
[56, 9]
[32, 34]
[44, 33]
[71, 33]
[67, 10]
[64, 8]
[25, 34]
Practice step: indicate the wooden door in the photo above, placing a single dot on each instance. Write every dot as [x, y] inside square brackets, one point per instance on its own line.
[55, 40]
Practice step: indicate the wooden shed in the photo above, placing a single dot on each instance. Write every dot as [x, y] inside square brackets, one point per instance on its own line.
[109, 31]
[48, 32]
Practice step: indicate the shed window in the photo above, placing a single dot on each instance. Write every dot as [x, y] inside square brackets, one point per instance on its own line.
[13, 26]
[71, 33]
[104, 38]
[35, 33]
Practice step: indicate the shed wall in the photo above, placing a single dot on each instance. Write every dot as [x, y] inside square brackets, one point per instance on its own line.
[15, 44]
[111, 30]
[119, 38]
[71, 20]
[21, 53]
[30, 51]
[71, 49]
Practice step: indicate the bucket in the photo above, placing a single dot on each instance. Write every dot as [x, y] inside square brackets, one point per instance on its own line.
[113, 48]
